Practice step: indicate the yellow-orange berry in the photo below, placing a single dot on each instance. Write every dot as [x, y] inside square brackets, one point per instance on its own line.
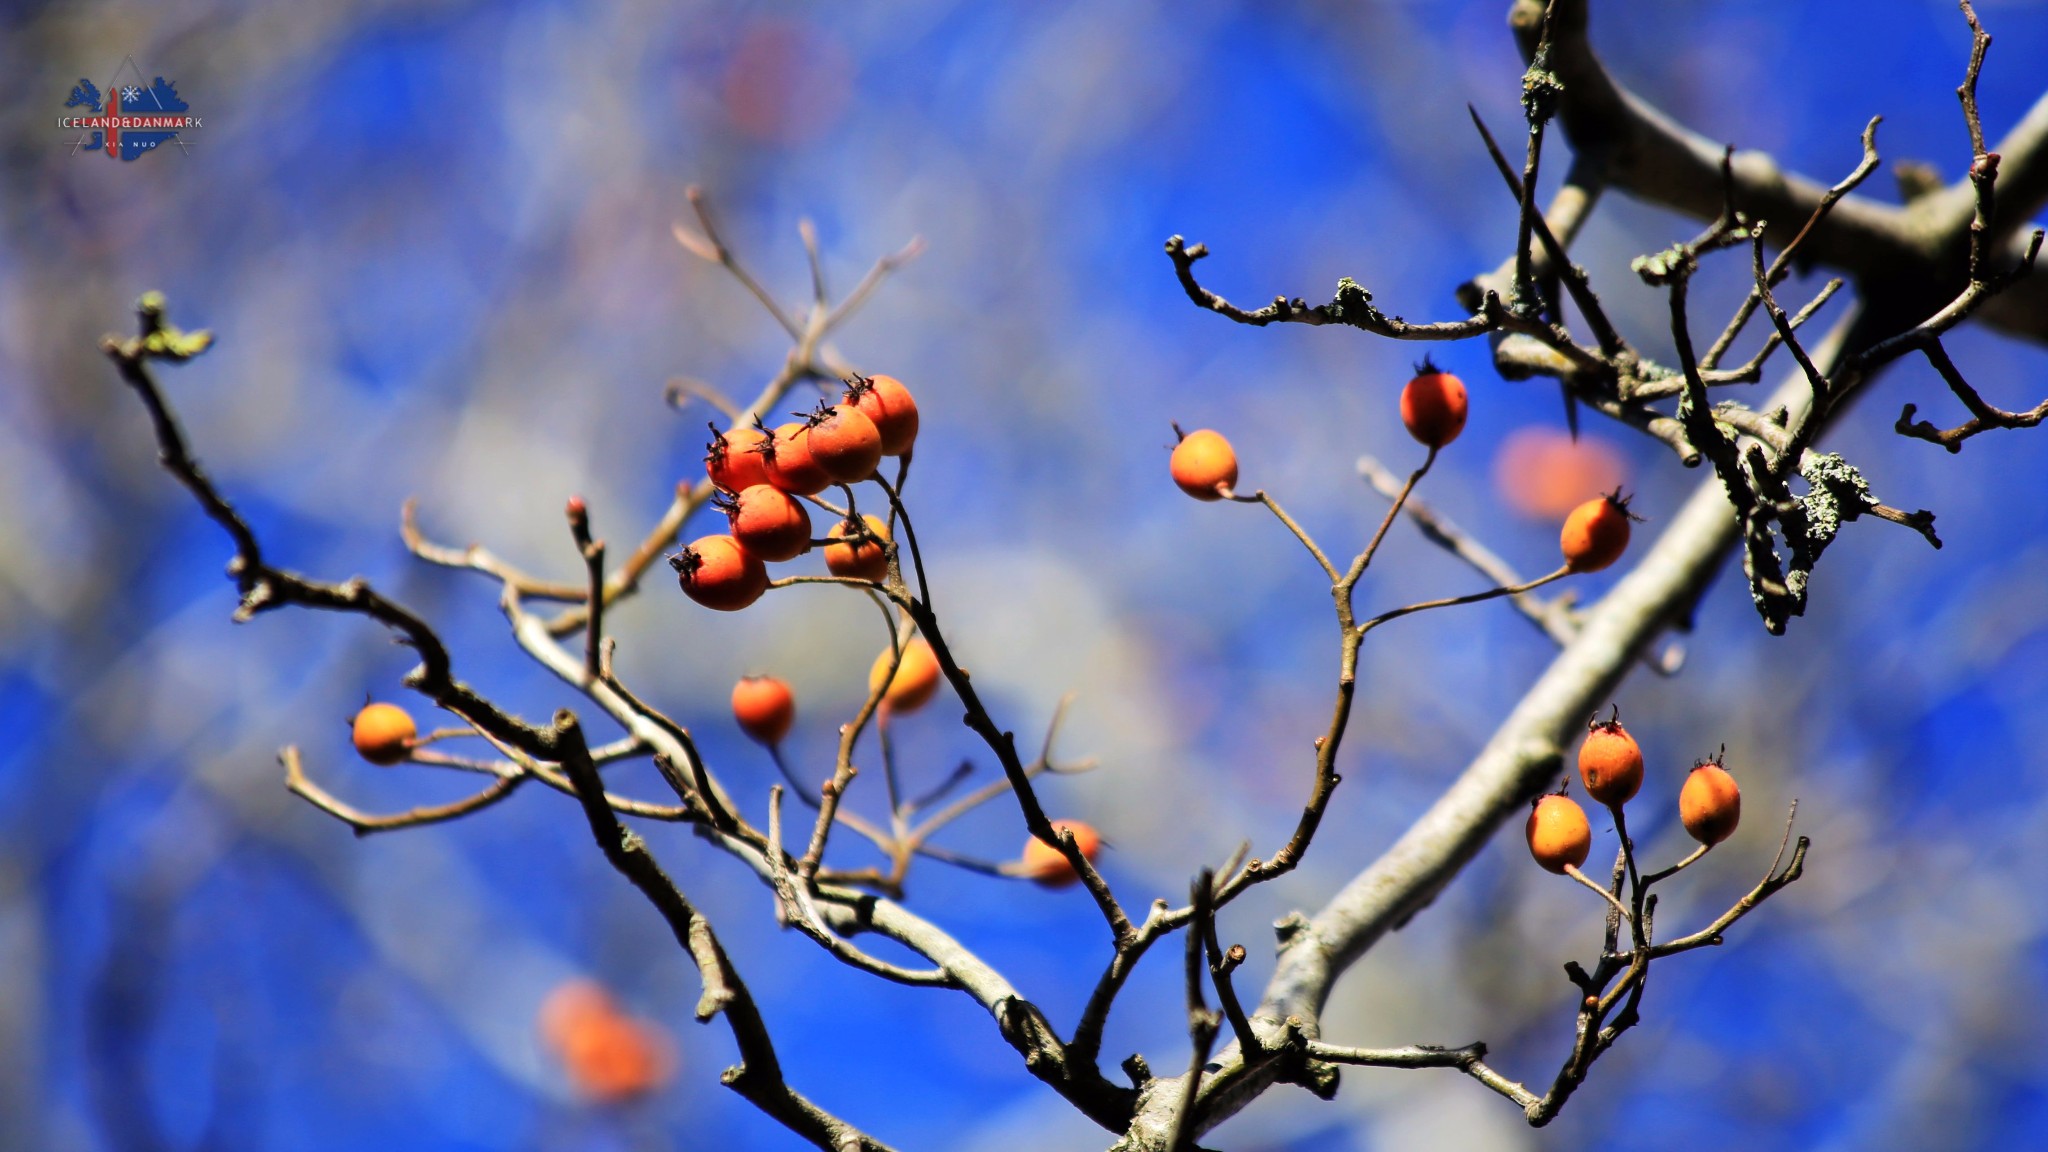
[861, 560]
[916, 679]
[1595, 534]
[1046, 865]
[1710, 804]
[1610, 762]
[1203, 462]
[764, 708]
[1559, 836]
[383, 733]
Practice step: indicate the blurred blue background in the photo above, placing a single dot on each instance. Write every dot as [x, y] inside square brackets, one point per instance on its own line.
[434, 242]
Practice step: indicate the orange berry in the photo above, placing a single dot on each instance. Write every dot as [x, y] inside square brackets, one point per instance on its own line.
[884, 400]
[609, 1056]
[845, 443]
[612, 1059]
[1558, 833]
[1596, 533]
[916, 680]
[567, 1008]
[789, 464]
[1610, 762]
[1543, 473]
[383, 733]
[718, 572]
[768, 522]
[1046, 865]
[1202, 462]
[764, 707]
[1710, 805]
[863, 560]
[733, 459]
[1433, 406]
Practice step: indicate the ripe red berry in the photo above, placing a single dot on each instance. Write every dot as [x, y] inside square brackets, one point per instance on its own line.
[789, 464]
[764, 707]
[1433, 406]
[1710, 805]
[733, 459]
[719, 573]
[863, 560]
[1202, 463]
[383, 733]
[845, 443]
[769, 522]
[1596, 533]
[884, 400]
[1610, 762]
[1559, 836]
[1046, 865]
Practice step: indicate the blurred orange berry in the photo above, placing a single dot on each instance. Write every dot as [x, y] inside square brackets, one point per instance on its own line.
[1543, 474]
[916, 679]
[1046, 865]
[764, 708]
[609, 1056]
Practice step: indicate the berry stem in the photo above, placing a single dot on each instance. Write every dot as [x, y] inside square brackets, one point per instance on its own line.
[1364, 559]
[1572, 871]
[1473, 598]
[1698, 852]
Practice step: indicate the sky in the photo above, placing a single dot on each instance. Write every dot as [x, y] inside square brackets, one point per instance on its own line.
[434, 244]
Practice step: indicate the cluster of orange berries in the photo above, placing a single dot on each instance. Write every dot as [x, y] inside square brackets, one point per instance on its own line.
[1434, 406]
[761, 473]
[610, 1056]
[765, 708]
[1611, 768]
